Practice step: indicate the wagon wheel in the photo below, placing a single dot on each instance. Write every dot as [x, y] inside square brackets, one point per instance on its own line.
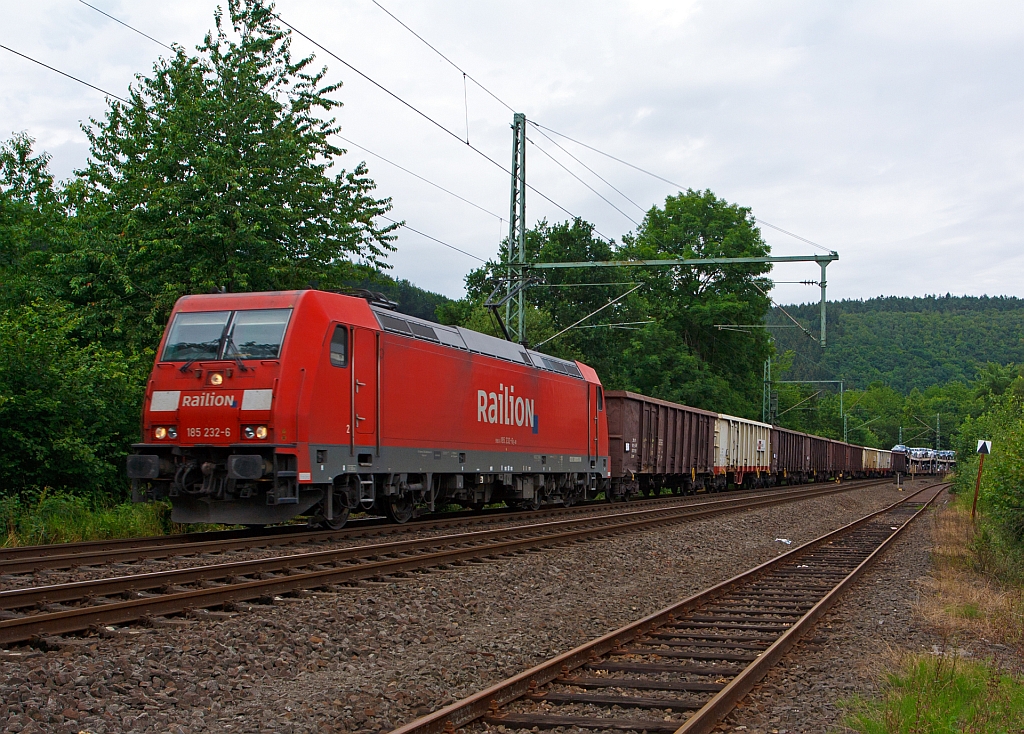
[398, 508]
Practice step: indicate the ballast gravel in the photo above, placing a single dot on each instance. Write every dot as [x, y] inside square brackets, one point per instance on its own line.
[368, 658]
[353, 538]
[853, 645]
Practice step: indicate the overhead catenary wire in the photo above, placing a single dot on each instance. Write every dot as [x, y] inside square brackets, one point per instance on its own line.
[429, 45]
[64, 73]
[673, 183]
[592, 313]
[126, 25]
[466, 75]
[595, 173]
[421, 178]
[598, 193]
[578, 142]
[122, 99]
[427, 117]
[370, 80]
[350, 142]
[440, 242]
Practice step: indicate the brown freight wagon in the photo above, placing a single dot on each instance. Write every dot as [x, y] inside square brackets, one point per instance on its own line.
[821, 458]
[847, 459]
[656, 444]
[791, 455]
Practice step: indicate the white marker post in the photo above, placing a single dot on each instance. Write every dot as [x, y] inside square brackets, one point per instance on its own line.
[984, 447]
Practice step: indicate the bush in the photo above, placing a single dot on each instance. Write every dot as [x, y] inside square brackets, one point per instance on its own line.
[1002, 485]
[68, 411]
[66, 518]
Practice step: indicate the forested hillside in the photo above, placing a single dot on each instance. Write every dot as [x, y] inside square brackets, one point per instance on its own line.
[904, 342]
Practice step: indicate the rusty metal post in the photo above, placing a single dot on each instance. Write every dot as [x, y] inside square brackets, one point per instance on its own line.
[977, 486]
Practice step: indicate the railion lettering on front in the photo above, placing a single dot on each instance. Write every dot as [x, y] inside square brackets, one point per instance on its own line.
[208, 399]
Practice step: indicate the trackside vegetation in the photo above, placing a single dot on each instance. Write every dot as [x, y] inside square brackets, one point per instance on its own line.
[219, 172]
[942, 694]
[67, 518]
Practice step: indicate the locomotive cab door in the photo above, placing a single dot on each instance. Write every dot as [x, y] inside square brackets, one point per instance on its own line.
[365, 386]
[329, 413]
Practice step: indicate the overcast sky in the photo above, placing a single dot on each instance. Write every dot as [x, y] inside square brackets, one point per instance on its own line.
[891, 132]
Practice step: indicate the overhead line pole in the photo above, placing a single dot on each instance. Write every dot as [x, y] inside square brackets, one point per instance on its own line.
[823, 260]
[517, 232]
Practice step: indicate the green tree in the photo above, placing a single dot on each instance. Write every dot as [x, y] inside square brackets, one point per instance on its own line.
[690, 302]
[218, 174]
[33, 220]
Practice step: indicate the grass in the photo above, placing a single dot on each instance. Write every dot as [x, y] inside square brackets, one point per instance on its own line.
[976, 589]
[66, 518]
[974, 593]
[930, 694]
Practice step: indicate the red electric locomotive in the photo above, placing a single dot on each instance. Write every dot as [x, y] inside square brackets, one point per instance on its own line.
[265, 406]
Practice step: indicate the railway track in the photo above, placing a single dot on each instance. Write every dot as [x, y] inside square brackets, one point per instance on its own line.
[683, 668]
[30, 559]
[63, 608]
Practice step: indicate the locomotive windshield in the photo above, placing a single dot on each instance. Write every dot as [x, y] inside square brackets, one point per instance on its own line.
[227, 335]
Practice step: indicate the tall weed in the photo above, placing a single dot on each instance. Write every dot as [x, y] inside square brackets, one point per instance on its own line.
[66, 518]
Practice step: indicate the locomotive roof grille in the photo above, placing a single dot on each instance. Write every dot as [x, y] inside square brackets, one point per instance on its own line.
[472, 341]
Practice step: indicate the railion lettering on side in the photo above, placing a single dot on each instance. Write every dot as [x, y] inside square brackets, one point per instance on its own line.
[505, 408]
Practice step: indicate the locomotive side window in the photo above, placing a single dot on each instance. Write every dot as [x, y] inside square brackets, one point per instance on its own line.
[339, 347]
[257, 334]
[600, 399]
[196, 336]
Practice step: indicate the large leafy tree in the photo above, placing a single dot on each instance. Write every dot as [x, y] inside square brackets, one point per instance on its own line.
[712, 367]
[218, 174]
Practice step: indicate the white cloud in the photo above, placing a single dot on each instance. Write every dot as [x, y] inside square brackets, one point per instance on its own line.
[890, 132]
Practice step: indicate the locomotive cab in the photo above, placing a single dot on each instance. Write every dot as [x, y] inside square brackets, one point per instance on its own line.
[216, 438]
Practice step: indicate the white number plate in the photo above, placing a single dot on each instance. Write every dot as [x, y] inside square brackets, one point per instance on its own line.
[208, 432]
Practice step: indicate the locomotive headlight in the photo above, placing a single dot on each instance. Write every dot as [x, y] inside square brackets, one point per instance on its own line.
[261, 431]
[160, 432]
[172, 433]
[216, 378]
[249, 432]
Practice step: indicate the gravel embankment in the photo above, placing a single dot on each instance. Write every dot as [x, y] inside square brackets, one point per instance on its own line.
[853, 645]
[368, 536]
[371, 657]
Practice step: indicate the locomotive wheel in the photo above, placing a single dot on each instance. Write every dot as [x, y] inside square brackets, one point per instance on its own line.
[340, 518]
[398, 508]
[530, 504]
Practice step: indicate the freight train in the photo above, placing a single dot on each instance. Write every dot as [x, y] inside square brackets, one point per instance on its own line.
[262, 407]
